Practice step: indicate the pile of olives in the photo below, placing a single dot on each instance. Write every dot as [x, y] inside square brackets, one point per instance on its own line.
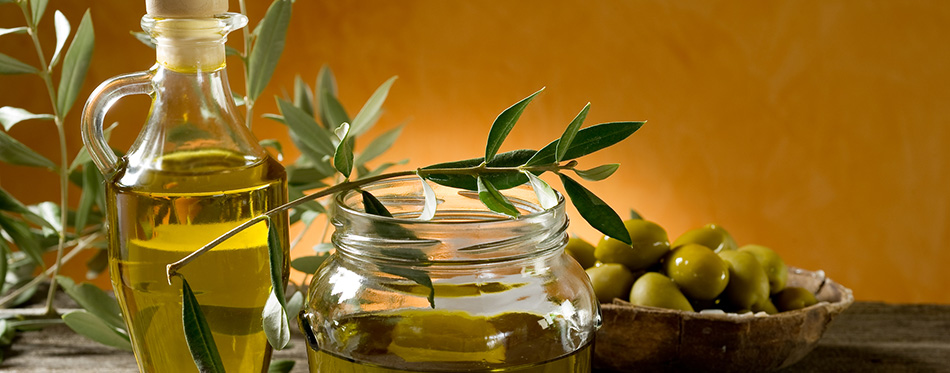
[702, 269]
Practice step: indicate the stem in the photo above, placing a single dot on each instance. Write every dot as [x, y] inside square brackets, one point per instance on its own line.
[173, 268]
[59, 118]
[246, 34]
[484, 169]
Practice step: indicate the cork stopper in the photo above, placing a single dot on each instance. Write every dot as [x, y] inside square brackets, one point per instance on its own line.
[185, 8]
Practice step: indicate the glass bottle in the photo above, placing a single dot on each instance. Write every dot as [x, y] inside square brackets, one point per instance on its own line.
[469, 291]
[194, 172]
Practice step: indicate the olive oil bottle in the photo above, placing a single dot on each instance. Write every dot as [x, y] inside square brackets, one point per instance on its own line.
[194, 172]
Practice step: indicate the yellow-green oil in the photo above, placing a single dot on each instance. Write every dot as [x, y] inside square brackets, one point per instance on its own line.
[418, 341]
[157, 218]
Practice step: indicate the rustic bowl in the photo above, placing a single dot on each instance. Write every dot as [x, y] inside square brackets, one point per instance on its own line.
[643, 339]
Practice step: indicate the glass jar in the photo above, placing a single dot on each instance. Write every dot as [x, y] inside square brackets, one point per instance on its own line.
[468, 291]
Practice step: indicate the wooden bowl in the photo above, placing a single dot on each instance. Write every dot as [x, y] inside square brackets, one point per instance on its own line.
[643, 339]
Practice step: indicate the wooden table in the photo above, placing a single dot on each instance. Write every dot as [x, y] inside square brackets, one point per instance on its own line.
[868, 337]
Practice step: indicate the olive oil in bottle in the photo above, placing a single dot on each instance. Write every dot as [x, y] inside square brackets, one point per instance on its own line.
[175, 213]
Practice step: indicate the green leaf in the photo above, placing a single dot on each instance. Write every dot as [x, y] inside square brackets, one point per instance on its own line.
[82, 157]
[311, 139]
[501, 181]
[308, 264]
[414, 275]
[15, 30]
[198, 335]
[635, 215]
[4, 266]
[294, 306]
[503, 125]
[378, 146]
[76, 64]
[14, 152]
[38, 9]
[343, 156]
[362, 121]
[303, 96]
[144, 38]
[271, 143]
[276, 254]
[94, 300]
[230, 51]
[565, 141]
[20, 233]
[96, 264]
[268, 47]
[546, 196]
[373, 206]
[494, 200]
[431, 203]
[281, 366]
[62, 34]
[598, 173]
[47, 215]
[593, 209]
[11, 115]
[8, 203]
[274, 322]
[587, 140]
[10, 66]
[332, 113]
[90, 190]
[94, 328]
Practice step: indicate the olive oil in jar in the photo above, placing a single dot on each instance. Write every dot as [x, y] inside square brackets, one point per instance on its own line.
[418, 341]
[157, 217]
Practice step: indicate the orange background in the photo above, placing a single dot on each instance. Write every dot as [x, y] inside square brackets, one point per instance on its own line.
[818, 128]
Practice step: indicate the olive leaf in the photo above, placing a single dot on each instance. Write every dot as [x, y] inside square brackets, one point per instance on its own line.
[4, 265]
[271, 143]
[332, 113]
[546, 196]
[428, 209]
[38, 8]
[14, 152]
[268, 46]
[274, 321]
[91, 187]
[10, 116]
[307, 135]
[143, 37]
[378, 146]
[75, 64]
[373, 206]
[370, 111]
[595, 211]
[635, 215]
[598, 173]
[62, 34]
[303, 96]
[94, 328]
[414, 275]
[10, 66]
[198, 335]
[587, 140]
[343, 156]
[494, 200]
[94, 300]
[565, 141]
[15, 30]
[8, 203]
[23, 238]
[308, 264]
[82, 157]
[503, 125]
[281, 366]
[501, 181]
[97, 263]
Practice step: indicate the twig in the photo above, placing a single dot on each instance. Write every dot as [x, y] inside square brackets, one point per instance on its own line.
[80, 245]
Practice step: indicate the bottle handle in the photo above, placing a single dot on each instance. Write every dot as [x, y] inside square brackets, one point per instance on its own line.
[94, 113]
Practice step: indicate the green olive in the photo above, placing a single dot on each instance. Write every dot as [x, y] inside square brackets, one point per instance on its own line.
[581, 251]
[650, 243]
[697, 271]
[610, 280]
[766, 306]
[748, 283]
[773, 264]
[710, 235]
[655, 290]
[793, 298]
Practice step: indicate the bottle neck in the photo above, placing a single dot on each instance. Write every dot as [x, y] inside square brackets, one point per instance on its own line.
[192, 45]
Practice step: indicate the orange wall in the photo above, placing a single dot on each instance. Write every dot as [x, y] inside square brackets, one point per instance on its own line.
[818, 128]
